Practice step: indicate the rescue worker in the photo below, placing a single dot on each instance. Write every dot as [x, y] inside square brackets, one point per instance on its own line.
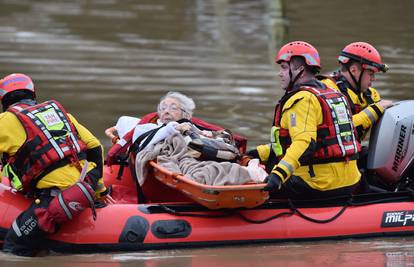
[313, 146]
[44, 151]
[359, 62]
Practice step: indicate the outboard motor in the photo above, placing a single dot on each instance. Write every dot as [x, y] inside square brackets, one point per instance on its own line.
[391, 146]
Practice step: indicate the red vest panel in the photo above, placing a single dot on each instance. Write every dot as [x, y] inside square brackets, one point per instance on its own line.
[52, 141]
[336, 138]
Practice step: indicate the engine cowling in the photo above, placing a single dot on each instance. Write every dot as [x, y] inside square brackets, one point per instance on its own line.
[391, 146]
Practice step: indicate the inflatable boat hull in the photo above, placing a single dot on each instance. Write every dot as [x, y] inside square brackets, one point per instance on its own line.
[133, 227]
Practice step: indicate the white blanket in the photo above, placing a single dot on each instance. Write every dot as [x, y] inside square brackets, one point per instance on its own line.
[171, 154]
[125, 124]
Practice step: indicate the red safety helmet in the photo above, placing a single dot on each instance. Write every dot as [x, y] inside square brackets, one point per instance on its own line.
[15, 81]
[365, 54]
[299, 49]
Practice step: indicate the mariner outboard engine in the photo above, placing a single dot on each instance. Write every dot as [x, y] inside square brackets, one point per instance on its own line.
[391, 146]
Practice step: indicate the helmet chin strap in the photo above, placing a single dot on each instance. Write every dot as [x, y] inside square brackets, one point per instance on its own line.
[357, 83]
[292, 81]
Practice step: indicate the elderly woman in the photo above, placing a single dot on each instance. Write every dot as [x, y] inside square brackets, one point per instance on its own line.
[173, 107]
[177, 141]
[174, 113]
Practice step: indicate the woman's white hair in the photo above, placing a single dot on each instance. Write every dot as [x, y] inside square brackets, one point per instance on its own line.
[186, 102]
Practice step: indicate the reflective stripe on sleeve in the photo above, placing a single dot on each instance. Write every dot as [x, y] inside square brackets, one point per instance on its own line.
[287, 165]
[370, 115]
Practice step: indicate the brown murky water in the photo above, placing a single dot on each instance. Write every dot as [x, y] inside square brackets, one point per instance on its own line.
[106, 58]
[389, 252]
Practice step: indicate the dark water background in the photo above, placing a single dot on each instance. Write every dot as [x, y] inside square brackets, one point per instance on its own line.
[107, 58]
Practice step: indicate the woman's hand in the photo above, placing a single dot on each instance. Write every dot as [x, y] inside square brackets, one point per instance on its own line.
[183, 127]
[112, 134]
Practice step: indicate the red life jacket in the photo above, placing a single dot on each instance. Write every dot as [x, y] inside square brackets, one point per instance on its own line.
[344, 86]
[52, 141]
[332, 144]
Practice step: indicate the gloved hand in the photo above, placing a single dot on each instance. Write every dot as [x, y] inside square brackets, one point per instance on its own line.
[385, 103]
[105, 197]
[274, 182]
[111, 158]
[253, 153]
[92, 178]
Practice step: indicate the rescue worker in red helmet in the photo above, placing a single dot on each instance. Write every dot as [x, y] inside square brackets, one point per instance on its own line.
[359, 63]
[44, 151]
[313, 146]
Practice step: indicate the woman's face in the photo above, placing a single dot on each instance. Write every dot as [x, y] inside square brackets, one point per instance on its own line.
[170, 110]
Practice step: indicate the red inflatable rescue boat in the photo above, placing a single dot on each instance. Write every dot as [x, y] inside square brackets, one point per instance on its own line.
[131, 226]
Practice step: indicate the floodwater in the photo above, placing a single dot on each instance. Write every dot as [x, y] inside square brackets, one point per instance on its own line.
[107, 58]
[390, 252]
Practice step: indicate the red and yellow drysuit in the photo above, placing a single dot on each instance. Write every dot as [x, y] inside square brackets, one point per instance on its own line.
[315, 139]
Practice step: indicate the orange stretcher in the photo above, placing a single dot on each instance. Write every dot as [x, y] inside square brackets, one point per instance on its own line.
[213, 197]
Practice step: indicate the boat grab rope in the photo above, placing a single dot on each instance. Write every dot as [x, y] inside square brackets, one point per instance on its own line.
[280, 214]
[292, 207]
[294, 210]
[224, 213]
[303, 216]
[378, 201]
[189, 214]
[229, 213]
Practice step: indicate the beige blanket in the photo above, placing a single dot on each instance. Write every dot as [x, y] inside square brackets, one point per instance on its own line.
[172, 155]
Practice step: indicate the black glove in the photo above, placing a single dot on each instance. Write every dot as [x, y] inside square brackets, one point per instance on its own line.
[253, 153]
[274, 182]
[108, 191]
[92, 178]
[98, 202]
